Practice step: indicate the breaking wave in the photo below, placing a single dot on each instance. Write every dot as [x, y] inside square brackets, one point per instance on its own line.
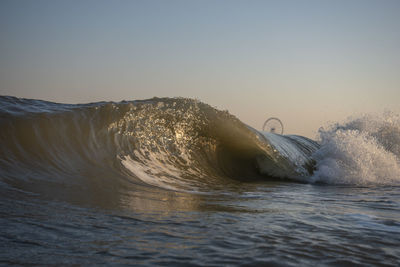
[179, 144]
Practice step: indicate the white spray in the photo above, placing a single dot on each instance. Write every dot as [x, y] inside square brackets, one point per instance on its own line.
[362, 151]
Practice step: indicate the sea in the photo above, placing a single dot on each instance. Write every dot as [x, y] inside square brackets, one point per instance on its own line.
[177, 182]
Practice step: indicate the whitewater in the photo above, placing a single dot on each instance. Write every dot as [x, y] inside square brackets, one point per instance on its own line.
[174, 181]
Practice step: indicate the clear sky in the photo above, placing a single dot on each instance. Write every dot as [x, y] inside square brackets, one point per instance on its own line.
[306, 62]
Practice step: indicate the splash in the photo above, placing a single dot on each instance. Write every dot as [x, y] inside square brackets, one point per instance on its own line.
[361, 151]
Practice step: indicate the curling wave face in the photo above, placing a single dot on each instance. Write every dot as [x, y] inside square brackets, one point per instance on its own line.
[170, 143]
[180, 144]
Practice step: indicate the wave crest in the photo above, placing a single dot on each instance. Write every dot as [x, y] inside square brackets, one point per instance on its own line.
[183, 144]
[174, 143]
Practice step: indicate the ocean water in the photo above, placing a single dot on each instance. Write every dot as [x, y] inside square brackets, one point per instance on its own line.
[173, 181]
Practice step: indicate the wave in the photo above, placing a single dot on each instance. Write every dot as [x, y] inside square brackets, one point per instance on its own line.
[167, 142]
[179, 144]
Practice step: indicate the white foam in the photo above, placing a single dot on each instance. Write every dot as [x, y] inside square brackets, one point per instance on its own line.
[154, 169]
[143, 172]
[361, 151]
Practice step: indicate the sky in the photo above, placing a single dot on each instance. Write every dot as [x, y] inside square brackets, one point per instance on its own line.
[307, 62]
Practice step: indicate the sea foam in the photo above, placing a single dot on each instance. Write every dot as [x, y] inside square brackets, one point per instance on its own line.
[363, 150]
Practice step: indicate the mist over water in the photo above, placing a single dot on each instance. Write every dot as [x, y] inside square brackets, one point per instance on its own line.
[176, 181]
